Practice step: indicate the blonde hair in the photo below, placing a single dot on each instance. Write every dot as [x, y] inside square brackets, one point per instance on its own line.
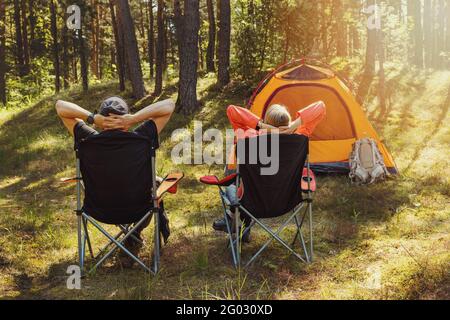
[278, 116]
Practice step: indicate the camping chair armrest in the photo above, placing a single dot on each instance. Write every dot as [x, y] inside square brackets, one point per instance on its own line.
[169, 184]
[312, 181]
[69, 180]
[214, 181]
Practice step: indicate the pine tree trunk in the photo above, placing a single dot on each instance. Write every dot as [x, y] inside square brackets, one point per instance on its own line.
[201, 63]
[119, 47]
[166, 41]
[101, 45]
[32, 22]
[381, 74]
[418, 32]
[159, 49]
[55, 46]
[210, 65]
[187, 28]
[19, 40]
[369, 68]
[324, 29]
[447, 30]
[224, 38]
[3, 52]
[151, 39]
[428, 31]
[65, 57]
[26, 47]
[340, 27]
[131, 48]
[84, 64]
[441, 34]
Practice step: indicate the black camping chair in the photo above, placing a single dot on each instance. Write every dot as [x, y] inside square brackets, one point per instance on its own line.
[120, 188]
[288, 191]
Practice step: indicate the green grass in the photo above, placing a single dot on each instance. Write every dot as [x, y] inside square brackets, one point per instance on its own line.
[386, 241]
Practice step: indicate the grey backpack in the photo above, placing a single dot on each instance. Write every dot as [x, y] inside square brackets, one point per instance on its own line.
[366, 163]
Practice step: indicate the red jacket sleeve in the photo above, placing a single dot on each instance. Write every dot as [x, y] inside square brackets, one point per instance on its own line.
[311, 116]
[241, 118]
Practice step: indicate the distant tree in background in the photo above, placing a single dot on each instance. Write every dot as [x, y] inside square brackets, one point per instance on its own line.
[160, 44]
[120, 50]
[224, 35]
[131, 49]
[210, 64]
[19, 40]
[187, 24]
[2, 52]
[151, 38]
[369, 65]
[55, 46]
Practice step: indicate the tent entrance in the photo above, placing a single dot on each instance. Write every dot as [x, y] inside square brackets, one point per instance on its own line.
[337, 125]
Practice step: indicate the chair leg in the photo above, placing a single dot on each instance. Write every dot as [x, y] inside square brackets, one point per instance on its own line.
[118, 244]
[80, 244]
[311, 243]
[302, 240]
[157, 243]
[237, 221]
[230, 234]
[274, 235]
[87, 238]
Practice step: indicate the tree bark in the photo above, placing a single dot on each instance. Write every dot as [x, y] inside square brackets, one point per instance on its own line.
[324, 28]
[65, 57]
[26, 46]
[84, 64]
[369, 68]
[187, 28]
[340, 27]
[224, 37]
[3, 52]
[210, 65]
[131, 48]
[441, 34]
[55, 46]
[416, 37]
[381, 74]
[19, 40]
[428, 31]
[447, 46]
[119, 47]
[151, 39]
[32, 21]
[159, 49]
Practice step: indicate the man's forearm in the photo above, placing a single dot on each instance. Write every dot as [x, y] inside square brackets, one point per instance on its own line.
[156, 110]
[71, 110]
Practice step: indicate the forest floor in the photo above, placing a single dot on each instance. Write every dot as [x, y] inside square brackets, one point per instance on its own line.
[386, 241]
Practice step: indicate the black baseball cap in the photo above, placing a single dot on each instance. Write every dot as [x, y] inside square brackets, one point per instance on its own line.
[113, 105]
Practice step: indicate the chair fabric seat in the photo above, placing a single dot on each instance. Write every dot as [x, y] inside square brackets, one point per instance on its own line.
[269, 196]
[117, 175]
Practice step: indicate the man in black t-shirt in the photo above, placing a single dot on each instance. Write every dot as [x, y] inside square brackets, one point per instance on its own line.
[114, 120]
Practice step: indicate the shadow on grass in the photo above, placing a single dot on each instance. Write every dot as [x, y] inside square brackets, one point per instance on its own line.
[439, 123]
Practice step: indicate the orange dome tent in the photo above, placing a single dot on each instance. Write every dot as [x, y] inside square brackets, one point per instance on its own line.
[297, 85]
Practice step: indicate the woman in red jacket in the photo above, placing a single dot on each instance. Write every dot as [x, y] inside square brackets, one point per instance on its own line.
[246, 124]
